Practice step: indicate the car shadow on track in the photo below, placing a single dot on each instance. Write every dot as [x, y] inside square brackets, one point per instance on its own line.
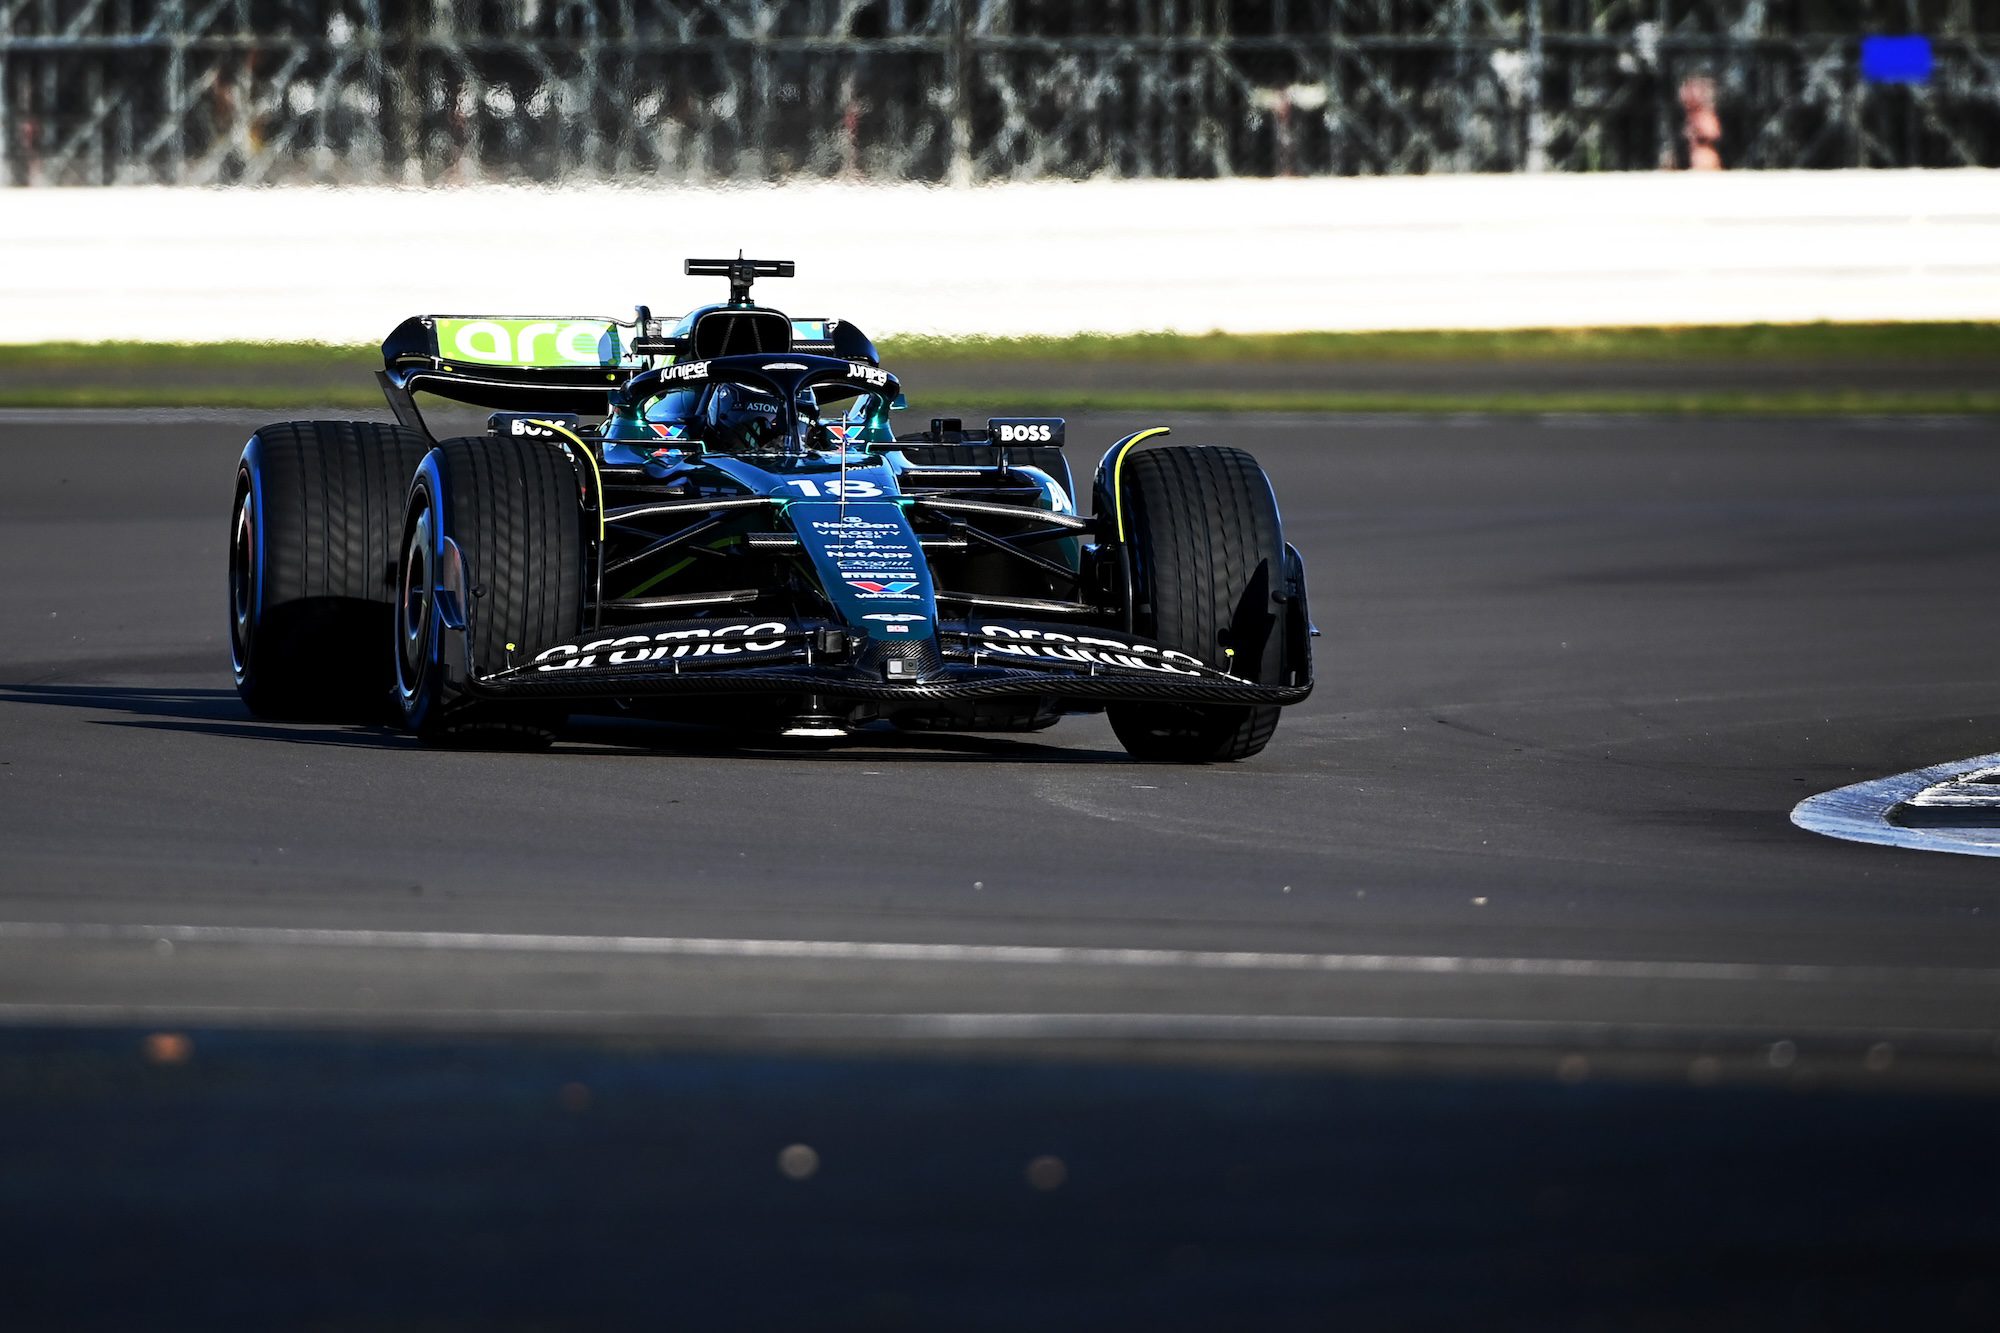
[872, 745]
[218, 712]
[211, 712]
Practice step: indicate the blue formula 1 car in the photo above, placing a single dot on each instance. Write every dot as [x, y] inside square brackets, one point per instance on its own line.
[713, 519]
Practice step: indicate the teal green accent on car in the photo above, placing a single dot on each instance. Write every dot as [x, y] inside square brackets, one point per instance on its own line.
[625, 423]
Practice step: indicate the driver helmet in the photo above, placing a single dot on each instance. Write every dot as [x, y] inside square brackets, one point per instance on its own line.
[741, 419]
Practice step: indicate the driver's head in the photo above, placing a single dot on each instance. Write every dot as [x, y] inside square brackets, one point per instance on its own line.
[742, 420]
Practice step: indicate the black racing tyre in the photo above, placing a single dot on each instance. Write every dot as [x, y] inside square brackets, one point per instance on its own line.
[314, 531]
[498, 523]
[1208, 552]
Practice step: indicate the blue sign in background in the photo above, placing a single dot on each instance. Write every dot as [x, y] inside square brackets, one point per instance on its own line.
[1896, 59]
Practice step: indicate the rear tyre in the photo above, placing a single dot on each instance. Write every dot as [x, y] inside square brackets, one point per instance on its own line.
[1207, 553]
[312, 563]
[497, 524]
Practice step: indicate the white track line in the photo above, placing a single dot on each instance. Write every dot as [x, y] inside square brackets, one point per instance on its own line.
[1026, 955]
[1860, 813]
[1357, 1029]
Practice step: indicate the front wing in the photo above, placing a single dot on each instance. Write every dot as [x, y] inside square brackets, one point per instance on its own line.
[965, 661]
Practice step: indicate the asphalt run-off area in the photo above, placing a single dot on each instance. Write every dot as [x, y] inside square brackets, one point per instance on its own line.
[1522, 872]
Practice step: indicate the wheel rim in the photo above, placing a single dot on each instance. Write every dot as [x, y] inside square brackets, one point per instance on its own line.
[413, 619]
[242, 580]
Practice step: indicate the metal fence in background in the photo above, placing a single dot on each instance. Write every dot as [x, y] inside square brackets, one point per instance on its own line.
[203, 92]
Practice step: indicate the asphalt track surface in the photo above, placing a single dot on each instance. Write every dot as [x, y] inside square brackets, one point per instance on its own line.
[1574, 674]
[1499, 990]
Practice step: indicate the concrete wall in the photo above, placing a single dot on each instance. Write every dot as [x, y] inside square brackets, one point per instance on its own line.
[1242, 255]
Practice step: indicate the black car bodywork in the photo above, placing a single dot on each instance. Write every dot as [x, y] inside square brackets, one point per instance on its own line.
[835, 575]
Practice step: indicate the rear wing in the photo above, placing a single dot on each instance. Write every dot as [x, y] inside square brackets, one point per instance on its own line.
[558, 364]
[574, 363]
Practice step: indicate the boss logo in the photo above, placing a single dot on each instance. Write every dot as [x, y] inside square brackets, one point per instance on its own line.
[531, 425]
[1026, 433]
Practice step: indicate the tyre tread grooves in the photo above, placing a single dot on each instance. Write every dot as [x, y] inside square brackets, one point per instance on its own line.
[513, 508]
[1205, 531]
[324, 487]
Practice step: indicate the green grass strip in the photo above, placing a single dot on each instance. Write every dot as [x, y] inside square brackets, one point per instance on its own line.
[113, 358]
[276, 397]
[291, 376]
[1755, 342]
[292, 400]
[1752, 342]
[1699, 403]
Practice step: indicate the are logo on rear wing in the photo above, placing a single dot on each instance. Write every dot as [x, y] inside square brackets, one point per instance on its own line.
[533, 343]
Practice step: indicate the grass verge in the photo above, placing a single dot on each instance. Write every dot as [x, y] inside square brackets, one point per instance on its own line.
[1790, 343]
[1719, 403]
[283, 399]
[290, 376]
[1756, 342]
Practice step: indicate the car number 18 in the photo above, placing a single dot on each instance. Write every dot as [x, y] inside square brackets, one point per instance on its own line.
[840, 490]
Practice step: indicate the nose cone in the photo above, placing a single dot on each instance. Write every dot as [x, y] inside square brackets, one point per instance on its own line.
[872, 567]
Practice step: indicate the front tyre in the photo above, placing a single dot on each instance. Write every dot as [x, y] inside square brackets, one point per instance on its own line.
[312, 557]
[1208, 555]
[492, 569]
